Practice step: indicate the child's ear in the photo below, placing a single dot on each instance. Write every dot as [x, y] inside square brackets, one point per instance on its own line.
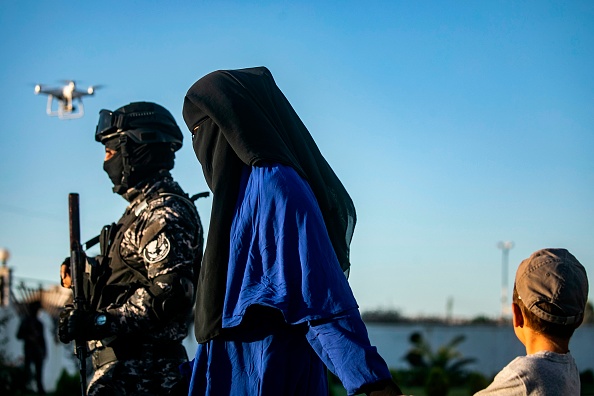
[517, 316]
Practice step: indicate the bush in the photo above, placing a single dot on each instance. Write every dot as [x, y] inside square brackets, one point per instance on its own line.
[68, 384]
[476, 382]
[587, 377]
[437, 382]
[422, 359]
[12, 380]
[12, 376]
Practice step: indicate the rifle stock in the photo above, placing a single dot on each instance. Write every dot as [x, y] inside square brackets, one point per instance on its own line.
[77, 273]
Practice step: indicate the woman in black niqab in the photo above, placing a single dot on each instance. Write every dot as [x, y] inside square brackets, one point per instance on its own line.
[285, 310]
[239, 118]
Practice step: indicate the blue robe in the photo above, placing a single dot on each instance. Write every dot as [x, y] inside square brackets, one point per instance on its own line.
[281, 257]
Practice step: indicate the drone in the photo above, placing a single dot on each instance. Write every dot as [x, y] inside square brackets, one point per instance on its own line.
[65, 97]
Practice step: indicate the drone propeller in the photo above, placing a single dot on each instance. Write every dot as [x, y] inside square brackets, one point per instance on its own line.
[36, 87]
[92, 88]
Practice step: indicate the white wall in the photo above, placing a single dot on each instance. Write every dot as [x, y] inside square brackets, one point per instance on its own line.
[492, 346]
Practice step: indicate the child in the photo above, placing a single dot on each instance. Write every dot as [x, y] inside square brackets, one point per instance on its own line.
[550, 294]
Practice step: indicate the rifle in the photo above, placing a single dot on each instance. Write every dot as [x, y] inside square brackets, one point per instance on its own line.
[77, 272]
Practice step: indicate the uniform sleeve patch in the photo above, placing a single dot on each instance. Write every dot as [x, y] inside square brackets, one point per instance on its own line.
[157, 249]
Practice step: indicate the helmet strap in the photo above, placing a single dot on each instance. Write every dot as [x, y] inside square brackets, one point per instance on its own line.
[123, 187]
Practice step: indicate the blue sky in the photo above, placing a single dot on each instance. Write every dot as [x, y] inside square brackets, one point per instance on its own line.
[454, 125]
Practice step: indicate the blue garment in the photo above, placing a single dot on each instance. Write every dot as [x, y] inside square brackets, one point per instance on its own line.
[259, 362]
[281, 257]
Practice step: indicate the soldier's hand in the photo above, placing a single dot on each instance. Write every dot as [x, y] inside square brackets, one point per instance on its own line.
[63, 334]
[76, 324]
[65, 277]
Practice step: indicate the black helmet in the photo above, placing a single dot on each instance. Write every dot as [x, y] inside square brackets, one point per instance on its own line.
[143, 122]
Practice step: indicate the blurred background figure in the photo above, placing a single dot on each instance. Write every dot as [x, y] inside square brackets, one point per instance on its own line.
[31, 333]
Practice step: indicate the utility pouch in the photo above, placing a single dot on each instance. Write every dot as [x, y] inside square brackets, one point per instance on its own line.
[107, 237]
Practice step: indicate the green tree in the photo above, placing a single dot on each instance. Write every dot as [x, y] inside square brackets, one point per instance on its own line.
[423, 359]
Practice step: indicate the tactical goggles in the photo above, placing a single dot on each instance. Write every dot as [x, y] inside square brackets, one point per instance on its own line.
[111, 124]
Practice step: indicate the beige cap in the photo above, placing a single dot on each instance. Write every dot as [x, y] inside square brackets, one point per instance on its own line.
[557, 277]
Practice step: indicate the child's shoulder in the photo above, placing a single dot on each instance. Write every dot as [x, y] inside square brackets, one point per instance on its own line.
[540, 361]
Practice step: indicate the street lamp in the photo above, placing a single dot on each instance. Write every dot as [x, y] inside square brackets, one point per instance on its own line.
[4, 278]
[505, 248]
[4, 256]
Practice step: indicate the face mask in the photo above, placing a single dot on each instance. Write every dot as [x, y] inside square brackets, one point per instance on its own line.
[114, 167]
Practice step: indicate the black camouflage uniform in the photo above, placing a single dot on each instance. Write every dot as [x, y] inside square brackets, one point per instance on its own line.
[140, 287]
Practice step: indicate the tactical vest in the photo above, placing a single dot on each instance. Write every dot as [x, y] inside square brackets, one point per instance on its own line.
[112, 279]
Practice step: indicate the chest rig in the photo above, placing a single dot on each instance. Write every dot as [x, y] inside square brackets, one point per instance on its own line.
[110, 277]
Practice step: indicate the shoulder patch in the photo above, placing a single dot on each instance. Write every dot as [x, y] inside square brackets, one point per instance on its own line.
[157, 249]
[150, 233]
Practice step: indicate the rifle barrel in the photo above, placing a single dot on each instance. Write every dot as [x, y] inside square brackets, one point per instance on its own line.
[76, 271]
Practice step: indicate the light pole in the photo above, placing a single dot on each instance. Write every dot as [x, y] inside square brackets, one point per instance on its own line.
[4, 278]
[505, 248]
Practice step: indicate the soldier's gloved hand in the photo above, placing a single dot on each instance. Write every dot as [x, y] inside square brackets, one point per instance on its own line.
[63, 324]
[76, 324]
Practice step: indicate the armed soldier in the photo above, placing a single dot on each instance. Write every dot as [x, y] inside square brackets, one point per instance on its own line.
[140, 288]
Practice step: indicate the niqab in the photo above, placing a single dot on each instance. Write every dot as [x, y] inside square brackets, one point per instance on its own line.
[241, 118]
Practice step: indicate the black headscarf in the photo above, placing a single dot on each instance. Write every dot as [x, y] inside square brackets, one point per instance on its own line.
[238, 118]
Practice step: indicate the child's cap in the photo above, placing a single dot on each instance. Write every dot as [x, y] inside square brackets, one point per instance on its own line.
[557, 277]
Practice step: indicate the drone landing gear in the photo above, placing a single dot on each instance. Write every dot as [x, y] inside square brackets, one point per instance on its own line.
[64, 111]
